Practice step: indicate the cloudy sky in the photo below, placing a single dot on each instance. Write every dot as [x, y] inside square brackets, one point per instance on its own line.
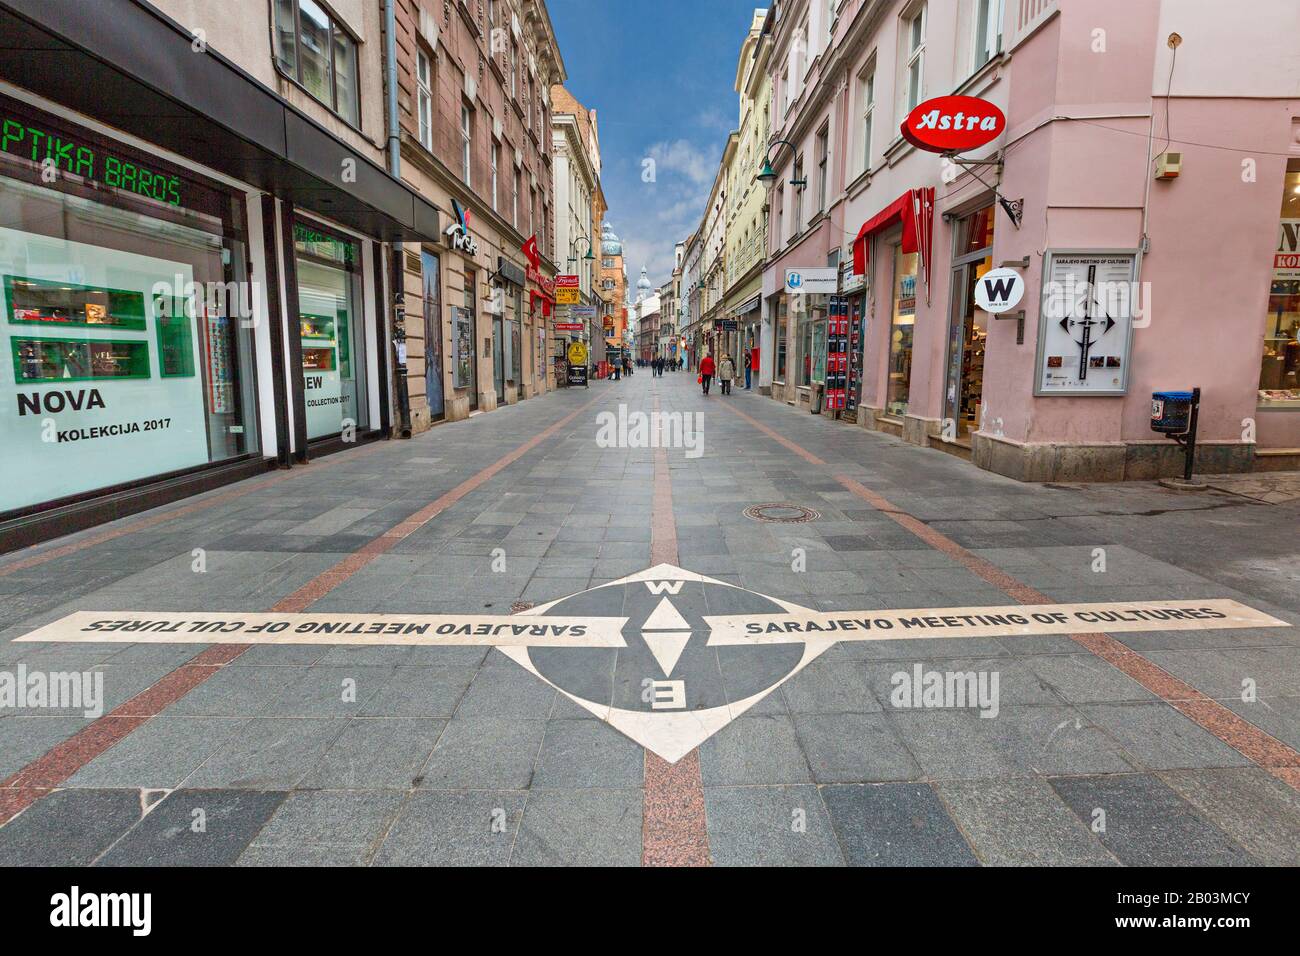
[660, 75]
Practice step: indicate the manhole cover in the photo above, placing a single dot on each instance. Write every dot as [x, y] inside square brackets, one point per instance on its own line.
[782, 512]
[520, 606]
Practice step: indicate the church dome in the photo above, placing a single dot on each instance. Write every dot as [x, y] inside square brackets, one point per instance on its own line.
[610, 244]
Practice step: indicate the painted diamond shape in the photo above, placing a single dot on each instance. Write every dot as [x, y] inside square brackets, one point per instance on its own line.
[671, 686]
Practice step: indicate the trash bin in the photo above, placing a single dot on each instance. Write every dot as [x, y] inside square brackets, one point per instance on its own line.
[816, 392]
[1171, 412]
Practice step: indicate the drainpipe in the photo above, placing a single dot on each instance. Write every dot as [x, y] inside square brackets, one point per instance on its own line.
[398, 278]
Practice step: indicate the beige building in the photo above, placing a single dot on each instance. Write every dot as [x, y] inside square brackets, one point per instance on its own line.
[474, 102]
[746, 199]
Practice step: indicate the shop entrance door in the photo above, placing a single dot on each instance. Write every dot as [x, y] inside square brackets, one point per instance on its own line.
[433, 336]
[968, 325]
[498, 359]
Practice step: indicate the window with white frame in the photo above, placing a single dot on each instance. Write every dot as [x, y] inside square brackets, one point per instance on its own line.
[914, 80]
[318, 54]
[988, 30]
[867, 101]
[466, 141]
[823, 165]
[424, 97]
[496, 161]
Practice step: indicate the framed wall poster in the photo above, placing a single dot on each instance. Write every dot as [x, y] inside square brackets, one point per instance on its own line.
[1085, 326]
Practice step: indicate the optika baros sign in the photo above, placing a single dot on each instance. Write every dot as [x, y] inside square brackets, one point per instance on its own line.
[953, 124]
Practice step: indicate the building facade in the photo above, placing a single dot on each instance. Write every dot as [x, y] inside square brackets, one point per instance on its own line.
[613, 288]
[580, 201]
[177, 316]
[746, 199]
[475, 127]
[1100, 102]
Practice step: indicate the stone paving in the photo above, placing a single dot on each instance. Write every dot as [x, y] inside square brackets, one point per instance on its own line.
[458, 755]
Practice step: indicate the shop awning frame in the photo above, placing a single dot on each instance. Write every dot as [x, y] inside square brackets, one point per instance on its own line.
[124, 63]
[915, 210]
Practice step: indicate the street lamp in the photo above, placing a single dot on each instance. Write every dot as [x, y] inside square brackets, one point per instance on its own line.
[767, 174]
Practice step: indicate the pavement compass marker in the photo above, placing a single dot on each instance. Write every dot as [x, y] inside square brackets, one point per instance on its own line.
[666, 656]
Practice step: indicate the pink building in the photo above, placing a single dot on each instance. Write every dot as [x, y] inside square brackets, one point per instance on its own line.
[1153, 148]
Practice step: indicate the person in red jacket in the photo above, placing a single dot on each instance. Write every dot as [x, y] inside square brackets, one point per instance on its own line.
[707, 368]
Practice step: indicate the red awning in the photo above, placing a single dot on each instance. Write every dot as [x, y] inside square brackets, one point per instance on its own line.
[915, 210]
[899, 210]
[547, 302]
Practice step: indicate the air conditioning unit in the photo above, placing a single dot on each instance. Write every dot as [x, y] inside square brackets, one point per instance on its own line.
[1168, 165]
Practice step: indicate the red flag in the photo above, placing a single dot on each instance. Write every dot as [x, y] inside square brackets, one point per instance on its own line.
[530, 250]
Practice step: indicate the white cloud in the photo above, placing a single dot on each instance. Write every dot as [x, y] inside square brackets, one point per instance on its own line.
[684, 157]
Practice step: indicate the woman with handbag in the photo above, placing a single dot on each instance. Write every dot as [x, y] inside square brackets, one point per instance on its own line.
[707, 368]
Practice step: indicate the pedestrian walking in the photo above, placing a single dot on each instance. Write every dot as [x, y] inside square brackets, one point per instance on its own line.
[749, 367]
[707, 368]
[726, 372]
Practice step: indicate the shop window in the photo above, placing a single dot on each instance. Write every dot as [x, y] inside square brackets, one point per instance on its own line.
[464, 365]
[330, 329]
[126, 349]
[805, 352]
[781, 335]
[1279, 377]
[900, 336]
[318, 54]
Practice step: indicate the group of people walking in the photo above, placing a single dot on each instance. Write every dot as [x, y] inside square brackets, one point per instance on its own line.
[660, 364]
[725, 370]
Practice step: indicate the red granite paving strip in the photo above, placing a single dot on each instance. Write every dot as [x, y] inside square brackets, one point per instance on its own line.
[55, 767]
[15, 801]
[673, 828]
[673, 831]
[1261, 748]
[327, 581]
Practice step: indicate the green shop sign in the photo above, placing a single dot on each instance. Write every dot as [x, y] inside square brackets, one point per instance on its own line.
[64, 153]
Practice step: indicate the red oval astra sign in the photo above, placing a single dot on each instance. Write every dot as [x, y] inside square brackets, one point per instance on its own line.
[953, 124]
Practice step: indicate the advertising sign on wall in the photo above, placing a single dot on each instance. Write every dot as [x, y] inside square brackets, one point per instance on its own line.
[812, 281]
[953, 124]
[1085, 331]
[100, 378]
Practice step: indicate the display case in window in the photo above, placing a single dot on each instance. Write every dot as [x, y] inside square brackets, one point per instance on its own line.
[72, 360]
[319, 344]
[175, 328]
[43, 302]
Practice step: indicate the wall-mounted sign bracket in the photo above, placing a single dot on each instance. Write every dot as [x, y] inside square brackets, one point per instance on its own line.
[1020, 324]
